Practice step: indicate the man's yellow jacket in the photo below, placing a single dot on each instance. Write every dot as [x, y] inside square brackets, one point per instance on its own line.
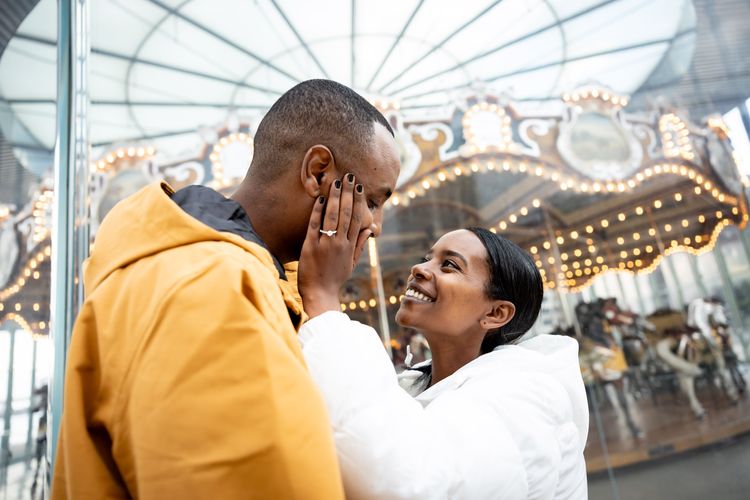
[184, 376]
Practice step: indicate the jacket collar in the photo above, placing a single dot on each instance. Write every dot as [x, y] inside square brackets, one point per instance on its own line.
[221, 214]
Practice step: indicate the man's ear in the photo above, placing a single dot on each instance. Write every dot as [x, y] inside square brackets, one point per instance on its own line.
[500, 315]
[318, 170]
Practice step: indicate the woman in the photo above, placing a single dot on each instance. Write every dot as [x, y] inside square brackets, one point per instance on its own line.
[494, 415]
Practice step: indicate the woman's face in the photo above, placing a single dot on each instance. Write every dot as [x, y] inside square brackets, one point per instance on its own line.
[446, 292]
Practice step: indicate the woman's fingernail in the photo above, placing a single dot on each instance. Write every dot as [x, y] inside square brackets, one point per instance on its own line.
[350, 178]
[337, 184]
[360, 188]
[322, 199]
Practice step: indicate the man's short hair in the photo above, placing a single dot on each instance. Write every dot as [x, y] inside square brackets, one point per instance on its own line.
[315, 112]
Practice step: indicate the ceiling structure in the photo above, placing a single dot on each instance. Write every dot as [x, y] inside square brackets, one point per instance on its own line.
[166, 68]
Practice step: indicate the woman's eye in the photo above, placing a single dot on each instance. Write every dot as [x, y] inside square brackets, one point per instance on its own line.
[451, 264]
[426, 258]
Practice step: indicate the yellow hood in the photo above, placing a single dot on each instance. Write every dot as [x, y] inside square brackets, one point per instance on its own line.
[128, 235]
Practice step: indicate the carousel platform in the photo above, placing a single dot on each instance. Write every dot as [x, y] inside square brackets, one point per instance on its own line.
[669, 428]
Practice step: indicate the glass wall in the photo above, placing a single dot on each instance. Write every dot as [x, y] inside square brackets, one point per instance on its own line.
[590, 133]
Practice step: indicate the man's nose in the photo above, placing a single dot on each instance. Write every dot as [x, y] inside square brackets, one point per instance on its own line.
[376, 226]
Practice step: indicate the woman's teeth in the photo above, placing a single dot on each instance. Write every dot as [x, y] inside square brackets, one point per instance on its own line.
[418, 295]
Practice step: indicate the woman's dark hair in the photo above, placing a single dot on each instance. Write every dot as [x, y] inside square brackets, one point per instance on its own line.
[514, 278]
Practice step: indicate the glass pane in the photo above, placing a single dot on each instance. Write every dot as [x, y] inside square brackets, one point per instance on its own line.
[589, 133]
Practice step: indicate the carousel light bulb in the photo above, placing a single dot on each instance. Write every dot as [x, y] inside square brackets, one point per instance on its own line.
[639, 210]
[657, 204]
[513, 218]
[599, 259]
[592, 249]
[621, 217]
[574, 234]
[550, 260]
[697, 190]
[589, 229]
[503, 225]
[636, 236]
[524, 211]
[636, 251]
[533, 250]
[605, 223]
[652, 232]
[677, 197]
[564, 256]
[577, 252]
[560, 240]
[649, 249]
[547, 245]
[667, 227]
[620, 240]
[685, 223]
[701, 219]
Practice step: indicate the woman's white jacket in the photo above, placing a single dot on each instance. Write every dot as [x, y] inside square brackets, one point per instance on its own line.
[511, 424]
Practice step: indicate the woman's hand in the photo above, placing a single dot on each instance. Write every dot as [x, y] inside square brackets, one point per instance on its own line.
[332, 246]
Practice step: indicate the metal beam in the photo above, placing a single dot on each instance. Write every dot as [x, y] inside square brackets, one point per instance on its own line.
[564, 61]
[177, 104]
[299, 37]
[439, 45]
[223, 39]
[353, 58]
[500, 47]
[145, 137]
[156, 64]
[395, 42]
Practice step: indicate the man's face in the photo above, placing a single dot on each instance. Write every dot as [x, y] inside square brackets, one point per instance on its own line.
[378, 175]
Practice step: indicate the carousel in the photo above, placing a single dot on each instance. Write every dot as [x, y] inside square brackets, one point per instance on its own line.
[588, 190]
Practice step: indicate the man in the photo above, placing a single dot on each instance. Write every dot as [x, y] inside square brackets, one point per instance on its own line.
[185, 378]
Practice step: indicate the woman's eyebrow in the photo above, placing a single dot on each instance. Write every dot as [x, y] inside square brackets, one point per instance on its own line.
[457, 255]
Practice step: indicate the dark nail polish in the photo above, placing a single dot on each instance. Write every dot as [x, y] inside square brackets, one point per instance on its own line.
[360, 188]
[322, 199]
[350, 178]
[337, 184]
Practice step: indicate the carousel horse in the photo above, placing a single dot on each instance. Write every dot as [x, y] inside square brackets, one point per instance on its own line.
[603, 359]
[691, 347]
[630, 333]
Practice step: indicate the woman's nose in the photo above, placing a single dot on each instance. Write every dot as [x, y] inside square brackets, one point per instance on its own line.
[421, 270]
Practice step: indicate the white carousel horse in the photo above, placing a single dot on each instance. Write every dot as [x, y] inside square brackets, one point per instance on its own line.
[699, 345]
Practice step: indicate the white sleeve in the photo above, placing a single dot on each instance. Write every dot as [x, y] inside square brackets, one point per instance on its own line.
[389, 446]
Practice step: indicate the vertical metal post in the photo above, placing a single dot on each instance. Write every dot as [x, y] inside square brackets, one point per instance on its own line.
[8, 413]
[570, 317]
[70, 208]
[745, 239]
[697, 275]
[377, 276]
[638, 292]
[29, 432]
[669, 265]
[726, 284]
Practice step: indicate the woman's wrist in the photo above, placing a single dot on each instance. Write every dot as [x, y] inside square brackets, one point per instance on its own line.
[318, 302]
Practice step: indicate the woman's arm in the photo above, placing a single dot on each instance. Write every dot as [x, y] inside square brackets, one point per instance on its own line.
[389, 446]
